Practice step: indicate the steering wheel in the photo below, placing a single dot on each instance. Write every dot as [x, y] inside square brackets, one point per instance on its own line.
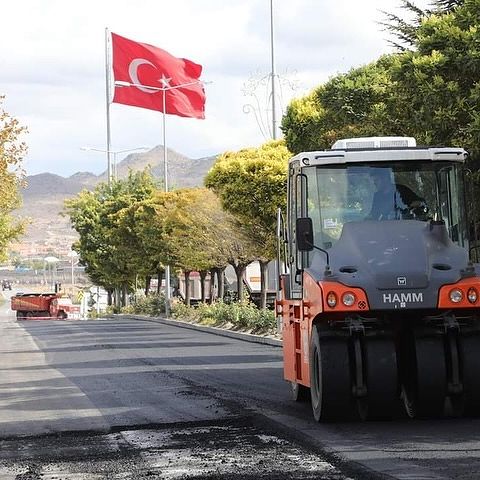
[419, 210]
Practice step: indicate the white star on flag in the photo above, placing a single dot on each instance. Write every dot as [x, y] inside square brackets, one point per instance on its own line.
[165, 81]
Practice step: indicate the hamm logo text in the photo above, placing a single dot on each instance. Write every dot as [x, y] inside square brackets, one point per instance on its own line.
[403, 297]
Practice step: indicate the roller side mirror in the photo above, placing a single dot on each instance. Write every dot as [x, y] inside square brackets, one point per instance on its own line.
[304, 234]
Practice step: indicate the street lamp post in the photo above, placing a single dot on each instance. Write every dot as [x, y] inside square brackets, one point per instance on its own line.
[112, 172]
[51, 261]
[72, 254]
[164, 89]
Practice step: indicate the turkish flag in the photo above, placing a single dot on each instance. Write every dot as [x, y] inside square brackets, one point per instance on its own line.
[149, 66]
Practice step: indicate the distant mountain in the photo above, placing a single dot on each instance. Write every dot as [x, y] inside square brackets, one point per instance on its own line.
[85, 178]
[182, 171]
[44, 197]
[48, 183]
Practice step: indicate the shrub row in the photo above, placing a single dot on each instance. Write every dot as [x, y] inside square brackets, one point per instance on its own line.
[152, 305]
[243, 316]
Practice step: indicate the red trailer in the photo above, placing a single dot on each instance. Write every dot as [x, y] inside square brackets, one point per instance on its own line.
[43, 306]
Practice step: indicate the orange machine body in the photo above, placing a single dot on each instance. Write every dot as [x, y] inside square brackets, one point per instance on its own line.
[299, 315]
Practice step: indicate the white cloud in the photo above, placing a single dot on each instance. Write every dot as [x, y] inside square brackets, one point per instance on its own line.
[52, 59]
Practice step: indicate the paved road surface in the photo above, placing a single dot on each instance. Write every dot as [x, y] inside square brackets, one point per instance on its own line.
[156, 401]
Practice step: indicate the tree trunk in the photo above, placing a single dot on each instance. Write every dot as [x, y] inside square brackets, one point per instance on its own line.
[124, 295]
[148, 280]
[117, 298]
[220, 283]
[212, 291]
[240, 270]
[203, 276]
[263, 284]
[159, 280]
[186, 274]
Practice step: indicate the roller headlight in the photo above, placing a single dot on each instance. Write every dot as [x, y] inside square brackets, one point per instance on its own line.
[348, 299]
[472, 295]
[456, 295]
[331, 299]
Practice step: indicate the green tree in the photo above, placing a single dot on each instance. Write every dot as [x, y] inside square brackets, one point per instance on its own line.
[12, 151]
[353, 104]
[430, 92]
[437, 89]
[149, 225]
[187, 230]
[110, 255]
[225, 239]
[251, 185]
[406, 30]
[303, 124]
[217, 233]
[187, 237]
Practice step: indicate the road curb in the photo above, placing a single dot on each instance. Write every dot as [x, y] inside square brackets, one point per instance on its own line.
[247, 337]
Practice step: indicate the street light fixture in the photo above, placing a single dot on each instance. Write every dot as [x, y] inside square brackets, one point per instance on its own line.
[113, 172]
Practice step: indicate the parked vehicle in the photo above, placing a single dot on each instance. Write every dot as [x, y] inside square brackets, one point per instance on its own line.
[6, 285]
[253, 284]
[37, 306]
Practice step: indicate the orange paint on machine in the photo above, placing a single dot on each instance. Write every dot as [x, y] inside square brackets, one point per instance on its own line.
[463, 294]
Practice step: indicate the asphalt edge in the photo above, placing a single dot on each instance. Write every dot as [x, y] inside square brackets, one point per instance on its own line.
[247, 337]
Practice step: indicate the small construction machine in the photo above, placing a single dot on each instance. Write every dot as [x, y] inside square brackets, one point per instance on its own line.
[378, 299]
[43, 306]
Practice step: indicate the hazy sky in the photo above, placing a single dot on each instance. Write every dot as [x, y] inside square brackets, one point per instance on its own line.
[52, 58]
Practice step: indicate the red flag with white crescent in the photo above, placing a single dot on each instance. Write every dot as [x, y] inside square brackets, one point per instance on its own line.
[147, 66]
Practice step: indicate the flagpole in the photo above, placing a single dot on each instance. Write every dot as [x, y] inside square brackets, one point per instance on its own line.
[107, 93]
[165, 175]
